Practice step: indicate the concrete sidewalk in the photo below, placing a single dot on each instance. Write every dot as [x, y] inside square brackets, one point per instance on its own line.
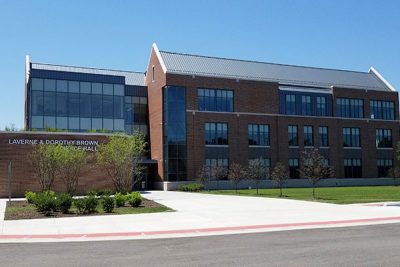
[197, 214]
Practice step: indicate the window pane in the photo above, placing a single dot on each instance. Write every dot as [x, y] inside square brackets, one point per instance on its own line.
[62, 104]
[85, 105]
[37, 103]
[73, 106]
[62, 123]
[85, 124]
[37, 122]
[97, 103]
[37, 84]
[49, 122]
[62, 86]
[49, 103]
[108, 89]
[119, 90]
[73, 86]
[49, 85]
[97, 124]
[108, 124]
[118, 107]
[97, 88]
[85, 88]
[73, 123]
[108, 106]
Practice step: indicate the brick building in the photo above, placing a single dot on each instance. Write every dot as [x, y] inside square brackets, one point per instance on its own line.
[200, 110]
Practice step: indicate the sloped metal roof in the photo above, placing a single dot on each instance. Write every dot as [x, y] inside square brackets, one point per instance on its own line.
[260, 71]
[131, 78]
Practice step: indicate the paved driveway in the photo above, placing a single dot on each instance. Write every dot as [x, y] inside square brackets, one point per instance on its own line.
[201, 214]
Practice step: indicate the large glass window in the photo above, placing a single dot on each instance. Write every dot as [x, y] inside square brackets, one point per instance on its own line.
[352, 168]
[85, 105]
[108, 108]
[306, 105]
[97, 106]
[174, 133]
[258, 134]
[62, 105]
[384, 166]
[37, 84]
[351, 137]
[290, 104]
[49, 103]
[216, 133]
[383, 137]
[294, 168]
[322, 109]
[308, 136]
[73, 105]
[49, 85]
[118, 107]
[323, 136]
[349, 108]
[37, 103]
[292, 135]
[382, 110]
[62, 86]
[215, 99]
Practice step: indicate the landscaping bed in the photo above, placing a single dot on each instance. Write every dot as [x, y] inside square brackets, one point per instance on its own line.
[19, 210]
[336, 195]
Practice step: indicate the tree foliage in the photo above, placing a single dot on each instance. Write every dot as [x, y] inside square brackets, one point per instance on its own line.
[257, 171]
[280, 174]
[236, 174]
[121, 158]
[45, 161]
[204, 175]
[313, 166]
[71, 160]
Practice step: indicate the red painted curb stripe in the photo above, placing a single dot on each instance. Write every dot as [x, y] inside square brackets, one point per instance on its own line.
[199, 230]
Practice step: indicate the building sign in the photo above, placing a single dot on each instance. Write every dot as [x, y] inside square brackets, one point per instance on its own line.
[86, 145]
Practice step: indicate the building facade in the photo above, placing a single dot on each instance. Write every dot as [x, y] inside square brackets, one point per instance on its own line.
[199, 110]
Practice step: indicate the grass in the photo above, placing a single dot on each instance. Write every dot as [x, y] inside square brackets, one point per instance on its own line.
[336, 195]
[19, 210]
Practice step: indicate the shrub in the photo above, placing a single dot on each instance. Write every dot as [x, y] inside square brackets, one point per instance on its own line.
[91, 193]
[90, 203]
[108, 204]
[120, 199]
[64, 202]
[80, 205]
[134, 199]
[46, 202]
[191, 187]
[30, 197]
[103, 192]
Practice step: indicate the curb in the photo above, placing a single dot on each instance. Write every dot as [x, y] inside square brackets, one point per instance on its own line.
[5, 237]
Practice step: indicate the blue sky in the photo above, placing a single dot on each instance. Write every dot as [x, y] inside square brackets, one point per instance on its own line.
[344, 34]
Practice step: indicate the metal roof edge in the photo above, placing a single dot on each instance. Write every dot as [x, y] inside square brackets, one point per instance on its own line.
[89, 68]
[373, 71]
[160, 59]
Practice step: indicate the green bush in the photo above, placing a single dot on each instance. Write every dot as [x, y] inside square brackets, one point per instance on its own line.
[46, 202]
[134, 199]
[108, 204]
[79, 205]
[120, 199]
[64, 202]
[90, 203]
[103, 192]
[191, 187]
[30, 197]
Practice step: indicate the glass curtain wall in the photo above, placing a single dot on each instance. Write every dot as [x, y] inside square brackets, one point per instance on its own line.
[174, 116]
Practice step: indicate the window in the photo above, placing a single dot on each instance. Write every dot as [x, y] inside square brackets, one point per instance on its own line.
[221, 162]
[73, 105]
[85, 105]
[292, 135]
[382, 110]
[294, 168]
[108, 109]
[37, 103]
[323, 136]
[290, 104]
[306, 105]
[383, 137]
[384, 166]
[49, 85]
[352, 168]
[215, 100]
[49, 103]
[351, 137]
[349, 108]
[308, 136]
[152, 74]
[258, 134]
[321, 106]
[97, 104]
[62, 105]
[37, 84]
[216, 133]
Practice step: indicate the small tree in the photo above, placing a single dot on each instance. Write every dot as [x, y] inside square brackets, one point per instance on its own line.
[280, 174]
[45, 160]
[395, 174]
[204, 175]
[236, 174]
[121, 158]
[218, 173]
[314, 167]
[257, 171]
[71, 161]
[11, 128]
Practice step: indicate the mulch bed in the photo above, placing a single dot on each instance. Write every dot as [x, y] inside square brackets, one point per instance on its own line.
[20, 210]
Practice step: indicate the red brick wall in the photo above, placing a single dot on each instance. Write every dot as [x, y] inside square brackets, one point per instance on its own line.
[155, 104]
[23, 179]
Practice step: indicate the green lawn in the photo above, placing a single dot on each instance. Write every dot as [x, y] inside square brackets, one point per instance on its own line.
[337, 195]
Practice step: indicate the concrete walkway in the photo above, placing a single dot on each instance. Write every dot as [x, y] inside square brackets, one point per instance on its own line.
[198, 214]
